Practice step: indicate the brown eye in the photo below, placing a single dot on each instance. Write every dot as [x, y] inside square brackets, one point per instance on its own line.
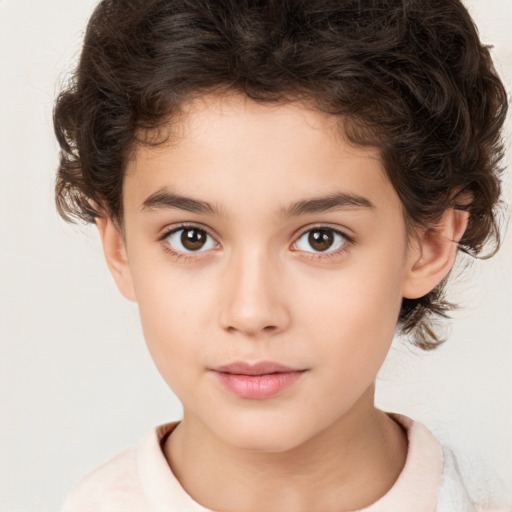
[321, 240]
[193, 239]
[190, 240]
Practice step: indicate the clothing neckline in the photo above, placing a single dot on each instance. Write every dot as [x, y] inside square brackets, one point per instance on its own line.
[417, 487]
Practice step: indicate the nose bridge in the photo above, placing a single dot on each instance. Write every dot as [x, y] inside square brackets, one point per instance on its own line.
[254, 298]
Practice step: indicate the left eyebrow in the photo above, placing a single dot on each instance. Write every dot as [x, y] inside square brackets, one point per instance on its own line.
[322, 204]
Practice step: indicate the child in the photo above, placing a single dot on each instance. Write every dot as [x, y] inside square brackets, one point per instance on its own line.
[279, 185]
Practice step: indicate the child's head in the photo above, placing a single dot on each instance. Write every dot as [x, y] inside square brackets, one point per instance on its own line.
[406, 82]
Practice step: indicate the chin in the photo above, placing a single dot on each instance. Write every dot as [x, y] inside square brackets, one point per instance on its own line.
[265, 435]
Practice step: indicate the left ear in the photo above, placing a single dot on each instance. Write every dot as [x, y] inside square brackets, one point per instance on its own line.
[432, 254]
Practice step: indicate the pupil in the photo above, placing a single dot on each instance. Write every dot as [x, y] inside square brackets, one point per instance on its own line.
[193, 239]
[321, 239]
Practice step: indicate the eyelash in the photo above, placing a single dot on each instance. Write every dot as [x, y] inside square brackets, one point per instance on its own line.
[181, 256]
[326, 256]
[319, 256]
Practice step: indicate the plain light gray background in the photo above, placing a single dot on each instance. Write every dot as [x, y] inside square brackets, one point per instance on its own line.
[76, 383]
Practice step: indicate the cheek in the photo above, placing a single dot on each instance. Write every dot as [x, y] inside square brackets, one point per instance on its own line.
[363, 296]
[356, 339]
[172, 316]
[355, 312]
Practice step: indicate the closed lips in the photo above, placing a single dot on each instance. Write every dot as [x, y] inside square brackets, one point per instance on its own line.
[257, 381]
[261, 368]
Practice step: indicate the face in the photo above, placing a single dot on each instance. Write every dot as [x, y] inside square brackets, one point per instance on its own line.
[261, 237]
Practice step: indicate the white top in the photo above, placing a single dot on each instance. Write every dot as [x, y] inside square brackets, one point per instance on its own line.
[139, 479]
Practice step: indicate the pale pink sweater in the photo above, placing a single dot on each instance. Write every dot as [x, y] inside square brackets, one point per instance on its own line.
[139, 479]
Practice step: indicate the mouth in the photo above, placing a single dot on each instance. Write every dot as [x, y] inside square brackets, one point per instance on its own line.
[257, 381]
[261, 368]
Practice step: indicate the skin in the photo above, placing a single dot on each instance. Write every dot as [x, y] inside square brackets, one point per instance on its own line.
[259, 291]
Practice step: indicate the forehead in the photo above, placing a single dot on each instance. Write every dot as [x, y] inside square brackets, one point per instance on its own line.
[235, 110]
[229, 145]
[208, 118]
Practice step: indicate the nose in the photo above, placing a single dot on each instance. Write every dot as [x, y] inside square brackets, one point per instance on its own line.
[253, 297]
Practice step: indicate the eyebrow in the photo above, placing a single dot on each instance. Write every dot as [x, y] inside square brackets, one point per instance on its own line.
[334, 201]
[164, 199]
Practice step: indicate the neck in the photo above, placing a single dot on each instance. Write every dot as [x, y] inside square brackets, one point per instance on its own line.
[347, 466]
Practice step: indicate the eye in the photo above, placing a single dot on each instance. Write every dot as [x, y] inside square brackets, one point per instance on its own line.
[190, 239]
[321, 240]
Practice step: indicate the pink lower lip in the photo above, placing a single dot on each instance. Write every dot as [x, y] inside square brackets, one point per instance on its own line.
[258, 386]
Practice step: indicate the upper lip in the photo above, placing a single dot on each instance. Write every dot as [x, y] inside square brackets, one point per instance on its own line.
[260, 368]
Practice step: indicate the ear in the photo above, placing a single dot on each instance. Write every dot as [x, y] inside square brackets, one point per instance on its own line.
[115, 253]
[432, 254]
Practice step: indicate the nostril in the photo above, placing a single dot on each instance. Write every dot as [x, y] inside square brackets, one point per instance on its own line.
[253, 330]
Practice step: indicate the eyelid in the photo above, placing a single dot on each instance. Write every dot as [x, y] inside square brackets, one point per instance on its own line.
[328, 227]
[317, 256]
[184, 256]
[169, 230]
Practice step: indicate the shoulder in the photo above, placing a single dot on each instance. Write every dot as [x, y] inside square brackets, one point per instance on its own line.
[453, 494]
[137, 479]
[113, 486]
[469, 485]
[437, 477]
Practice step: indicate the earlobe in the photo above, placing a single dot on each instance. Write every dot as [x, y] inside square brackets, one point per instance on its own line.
[432, 254]
[114, 249]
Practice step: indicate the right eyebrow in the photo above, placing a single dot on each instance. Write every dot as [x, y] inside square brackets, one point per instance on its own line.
[164, 199]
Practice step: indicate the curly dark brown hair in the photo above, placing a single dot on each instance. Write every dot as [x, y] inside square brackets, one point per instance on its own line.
[409, 77]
